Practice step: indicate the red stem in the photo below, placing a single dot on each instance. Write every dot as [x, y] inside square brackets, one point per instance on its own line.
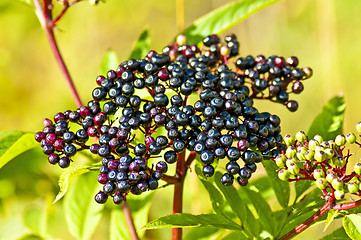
[129, 219]
[45, 18]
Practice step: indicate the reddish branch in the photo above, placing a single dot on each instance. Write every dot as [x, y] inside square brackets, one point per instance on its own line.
[323, 210]
[46, 19]
[129, 219]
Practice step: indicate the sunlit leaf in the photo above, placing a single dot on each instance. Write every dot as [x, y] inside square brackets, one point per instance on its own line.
[329, 122]
[352, 225]
[330, 217]
[187, 220]
[202, 233]
[118, 226]
[141, 46]
[224, 17]
[13, 143]
[64, 179]
[215, 196]
[81, 211]
[281, 188]
[110, 61]
[338, 234]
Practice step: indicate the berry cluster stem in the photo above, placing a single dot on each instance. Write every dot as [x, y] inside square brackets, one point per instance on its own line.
[129, 219]
[323, 210]
[45, 18]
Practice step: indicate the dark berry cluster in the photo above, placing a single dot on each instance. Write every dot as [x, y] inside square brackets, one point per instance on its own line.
[193, 95]
[324, 162]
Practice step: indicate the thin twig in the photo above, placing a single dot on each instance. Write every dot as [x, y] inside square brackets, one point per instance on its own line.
[129, 219]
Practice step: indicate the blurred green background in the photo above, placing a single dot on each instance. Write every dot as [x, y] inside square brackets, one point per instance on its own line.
[324, 34]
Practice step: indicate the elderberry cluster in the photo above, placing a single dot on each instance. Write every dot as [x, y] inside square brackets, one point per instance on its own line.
[324, 162]
[193, 95]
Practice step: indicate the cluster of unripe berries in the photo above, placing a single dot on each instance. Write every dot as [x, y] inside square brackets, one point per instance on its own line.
[153, 95]
[324, 162]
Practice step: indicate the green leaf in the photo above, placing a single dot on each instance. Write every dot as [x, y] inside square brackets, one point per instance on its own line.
[30, 237]
[13, 143]
[215, 196]
[35, 219]
[338, 234]
[236, 235]
[330, 217]
[118, 226]
[302, 187]
[64, 179]
[81, 211]
[187, 220]
[281, 188]
[262, 208]
[201, 233]
[141, 46]
[110, 61]
[329, 122]
[224, 17]
[352, 225]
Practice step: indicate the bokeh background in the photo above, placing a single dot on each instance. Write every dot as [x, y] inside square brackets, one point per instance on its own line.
[324, 34]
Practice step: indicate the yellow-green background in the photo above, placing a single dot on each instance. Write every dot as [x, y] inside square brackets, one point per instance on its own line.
[324, 34]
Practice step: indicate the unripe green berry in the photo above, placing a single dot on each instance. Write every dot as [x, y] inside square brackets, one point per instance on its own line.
[301, 155]
[284, 174]
[280, 161]
[338, 161]
[290, 160]
[301, 136]
[358, 127]
[339, 194]
[291, 151]
[353, 187]
[340, 140]
[357, 168]
[319, 148]
[312, 144]
[351, 138]
[337, 184]
[225, 51]
[318, 138]
[289, 140]
[330, 177]
[309, 155]
[293, 169]
[321, 183]
[329, 153]
[320, 156]
[318, 173]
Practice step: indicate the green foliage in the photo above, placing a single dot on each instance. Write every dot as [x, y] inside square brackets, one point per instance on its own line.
[187, 220]
[338, 234]
[352, 225]
[13, 143]
[81, 211]
[220, 19]
[110, 61]
[329, 122]
[141, 46]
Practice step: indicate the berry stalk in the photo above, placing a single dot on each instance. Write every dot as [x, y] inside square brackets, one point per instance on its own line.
[45, 18]
[129, 219]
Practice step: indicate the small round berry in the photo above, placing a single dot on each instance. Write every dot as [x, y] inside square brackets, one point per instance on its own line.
[64, 162]
[161, 166]
[357, 168]
[289, 140]
[152, 184]
[208, 170]
[101, 197]
[292, 105]
[170, 157]
[353, 187]
[301, 136]
[118, 198]
[293, 169]
[140, 149]
[351, 138]
[53, 158]
[339, 194]
[321, 183]
[337, 184]
[242, 181]
[103, 178]
[340, 140]
[227, 179]
[284, 174]
[48, 149]
[318, 173]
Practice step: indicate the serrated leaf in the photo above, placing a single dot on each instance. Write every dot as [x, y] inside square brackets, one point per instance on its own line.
[329, 122]
[81, 211]
[13, 143]
[187, 220]
[352, 225]
[338, 234]
[141, 46]
[281, 188]
[110, 61]
[262, 208]
[64, 179]
[215, 196]
[224, 17]
[330, 217]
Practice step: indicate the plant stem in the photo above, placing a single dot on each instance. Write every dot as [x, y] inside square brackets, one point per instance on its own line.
[178, 193]
[308, 222]
[45, 18]
[129, 219]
